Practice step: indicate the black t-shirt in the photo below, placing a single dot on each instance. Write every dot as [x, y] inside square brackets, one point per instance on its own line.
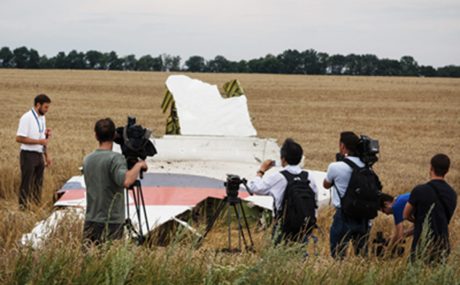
[422, 199]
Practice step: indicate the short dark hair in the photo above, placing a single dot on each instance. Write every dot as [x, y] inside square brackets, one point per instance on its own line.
[383, 197]
[440, 164]
[350, 140]
[291, 151]
[105, 130]
[41, 99]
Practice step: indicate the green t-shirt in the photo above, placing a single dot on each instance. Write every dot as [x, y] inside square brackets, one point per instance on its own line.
[104, 172]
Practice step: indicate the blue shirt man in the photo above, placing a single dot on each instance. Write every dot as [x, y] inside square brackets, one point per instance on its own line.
[395, 206]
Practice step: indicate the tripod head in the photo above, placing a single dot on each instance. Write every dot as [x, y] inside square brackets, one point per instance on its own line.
[232, 186]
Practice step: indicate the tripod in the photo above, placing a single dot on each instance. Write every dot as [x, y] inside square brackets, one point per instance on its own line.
[237, 205]
[139, 205]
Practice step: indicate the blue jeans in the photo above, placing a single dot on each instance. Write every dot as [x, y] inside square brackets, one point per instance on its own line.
[345, 229]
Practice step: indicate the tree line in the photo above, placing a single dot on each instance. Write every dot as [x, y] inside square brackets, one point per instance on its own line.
[288, 62]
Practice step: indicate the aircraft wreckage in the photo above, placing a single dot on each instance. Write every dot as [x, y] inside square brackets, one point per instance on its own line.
[207, 137]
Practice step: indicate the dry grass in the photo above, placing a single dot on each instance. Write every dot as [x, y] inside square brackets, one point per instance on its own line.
[413, 118]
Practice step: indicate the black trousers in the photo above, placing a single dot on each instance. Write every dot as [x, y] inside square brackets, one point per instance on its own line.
[97, 233]
[32, 168]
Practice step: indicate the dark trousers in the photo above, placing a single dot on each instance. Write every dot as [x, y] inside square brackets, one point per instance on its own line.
[32, 168]
[97, 233]
[345, 229]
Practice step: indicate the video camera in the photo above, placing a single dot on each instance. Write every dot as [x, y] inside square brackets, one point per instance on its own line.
[380, 245]
[134, 141]
[232, 185]
[367, 149]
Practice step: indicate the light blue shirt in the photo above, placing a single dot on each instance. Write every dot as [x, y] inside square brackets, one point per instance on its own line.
[339, 173]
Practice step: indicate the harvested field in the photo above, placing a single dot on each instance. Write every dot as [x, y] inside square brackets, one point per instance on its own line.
[413, 118]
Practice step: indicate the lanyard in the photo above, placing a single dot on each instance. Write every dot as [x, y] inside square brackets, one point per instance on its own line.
[40, 128]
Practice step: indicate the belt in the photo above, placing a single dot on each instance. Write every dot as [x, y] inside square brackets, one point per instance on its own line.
[31, 151]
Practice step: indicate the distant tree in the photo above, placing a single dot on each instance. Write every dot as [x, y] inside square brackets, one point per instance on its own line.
[146, 63]
[409, 66]
[369, 64]
[291, 62]
[34, 59]
[6, 57]
[21, 57]
[353, 64]
[113, 62]
[61, 61]
[388, 67]
[76, 60]
[195, 63]
[336, 64]
[157, 63]
[219, 64]
[449, 71]
[267, 64]
[170, 63]
[129, 62]
[93, 59]
[427, 71]
[311, 64]
[323, 59]
[242, 66]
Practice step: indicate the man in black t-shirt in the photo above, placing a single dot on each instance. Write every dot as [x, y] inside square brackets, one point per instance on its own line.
[433, 204]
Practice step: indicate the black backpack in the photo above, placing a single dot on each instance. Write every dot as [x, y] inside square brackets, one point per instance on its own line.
[361, 200]
[299, 205]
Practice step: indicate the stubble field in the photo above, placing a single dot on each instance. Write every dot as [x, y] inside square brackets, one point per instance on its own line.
[413, 118]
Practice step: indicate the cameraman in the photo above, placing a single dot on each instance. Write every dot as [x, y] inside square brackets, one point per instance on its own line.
[344, 228]
[106, 175]
[275, 184]
[395, 206]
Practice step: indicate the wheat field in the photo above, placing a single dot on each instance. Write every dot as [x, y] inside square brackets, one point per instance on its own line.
[413, 118]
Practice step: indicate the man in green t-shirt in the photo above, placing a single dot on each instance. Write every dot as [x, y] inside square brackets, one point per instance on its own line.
[106, 176]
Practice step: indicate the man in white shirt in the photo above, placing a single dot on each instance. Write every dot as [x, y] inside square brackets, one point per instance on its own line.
[344, 228]
[275, 184]
[33, 136]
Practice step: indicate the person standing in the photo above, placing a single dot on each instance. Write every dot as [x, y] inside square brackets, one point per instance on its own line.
[292, 181]
[34, 137]
[346, 227]
[432, 204]
[106, 175]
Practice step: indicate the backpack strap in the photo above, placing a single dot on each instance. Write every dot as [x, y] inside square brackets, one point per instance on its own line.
[438, 197]
[350, 163]
[354, 167]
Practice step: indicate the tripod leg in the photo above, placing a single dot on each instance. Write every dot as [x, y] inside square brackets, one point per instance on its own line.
[128, 223]
[240, 228]
[247, 227]
[138, 212]
[141, 196]
[229, 226]
[214, 218]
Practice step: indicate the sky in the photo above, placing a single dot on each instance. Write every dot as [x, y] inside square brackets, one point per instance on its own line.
[428, 30]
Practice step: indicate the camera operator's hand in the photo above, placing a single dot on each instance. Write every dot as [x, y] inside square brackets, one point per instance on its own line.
[143, 165]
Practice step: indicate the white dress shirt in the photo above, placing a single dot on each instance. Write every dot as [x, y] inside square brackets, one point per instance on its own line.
[275, 185]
